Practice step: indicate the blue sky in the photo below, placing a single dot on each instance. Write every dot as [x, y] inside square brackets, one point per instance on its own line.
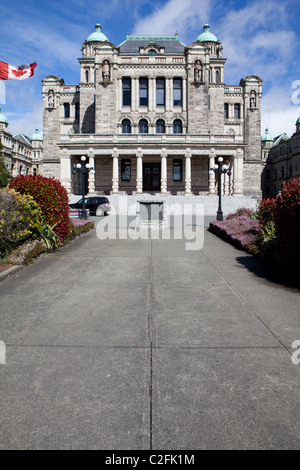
[259, 38]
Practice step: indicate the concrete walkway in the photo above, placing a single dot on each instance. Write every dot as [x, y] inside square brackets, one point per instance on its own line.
[123, 344]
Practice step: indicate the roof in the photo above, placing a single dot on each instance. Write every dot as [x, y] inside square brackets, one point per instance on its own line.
[97, 36]
[36, 135]
[3, 118]
[23, 138]
[280, 138]
[171, 44]
[266, 136]
[207, 36]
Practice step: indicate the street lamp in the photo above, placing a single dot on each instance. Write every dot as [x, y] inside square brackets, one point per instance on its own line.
[83, 169]
[219, 170]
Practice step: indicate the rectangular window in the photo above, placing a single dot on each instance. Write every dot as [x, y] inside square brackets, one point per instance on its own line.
[237, 111]
[77, 111]
[177, 92]
[125, 170]
[66, 110]
[160, 91]
[143, 91]
[226, 114]
[208, 101]
[177, 170]
[126, 91]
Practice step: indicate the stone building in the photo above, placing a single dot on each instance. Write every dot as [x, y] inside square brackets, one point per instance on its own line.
[22, 155]
[152, 115]
[282, 162]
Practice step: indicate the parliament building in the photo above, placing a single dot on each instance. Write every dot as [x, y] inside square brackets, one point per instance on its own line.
[153, 115]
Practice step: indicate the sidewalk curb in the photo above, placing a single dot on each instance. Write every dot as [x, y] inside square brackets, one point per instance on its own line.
[11, 271]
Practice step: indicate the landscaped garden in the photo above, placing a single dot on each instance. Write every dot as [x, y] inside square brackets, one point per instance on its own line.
[272, 233]
[34, 219]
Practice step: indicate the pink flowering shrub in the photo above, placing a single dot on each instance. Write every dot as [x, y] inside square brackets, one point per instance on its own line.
[241, 230]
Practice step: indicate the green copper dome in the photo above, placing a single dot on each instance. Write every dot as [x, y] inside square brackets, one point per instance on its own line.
[207, 36]
[266, 136]
[36, 135]
[3, 118]
[97, 36]
[298, 120]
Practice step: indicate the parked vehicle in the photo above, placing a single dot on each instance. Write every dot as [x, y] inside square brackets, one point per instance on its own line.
[97, 205]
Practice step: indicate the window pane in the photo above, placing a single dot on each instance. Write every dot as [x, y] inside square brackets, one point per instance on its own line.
[226, 111]
[143, 126]
[177, 91]
[126, 91]
[177, 127]
[160, 92]
[160, 126]
[126, 126]
[237, 111]
[143, 92]
[177, 170]
[66, 110]
[125, 170]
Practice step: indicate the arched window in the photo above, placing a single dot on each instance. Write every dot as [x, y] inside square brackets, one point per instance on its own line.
[177, 126]
[160, 126]
[143, 126]
[126, 126]
[152, 52]
[218, 76]
[87, 76]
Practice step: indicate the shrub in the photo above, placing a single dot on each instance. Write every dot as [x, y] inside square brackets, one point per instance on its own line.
[266, 210]
[242, 211]
[4, 174]
[240, 231]
[52, 198]
[287, 223]
[20, 219]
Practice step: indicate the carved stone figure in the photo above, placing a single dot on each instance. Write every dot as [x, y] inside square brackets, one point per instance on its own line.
[51, 99]
[106, 71]
[198, 71]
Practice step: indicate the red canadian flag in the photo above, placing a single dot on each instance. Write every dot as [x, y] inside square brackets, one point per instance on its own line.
[16, 72]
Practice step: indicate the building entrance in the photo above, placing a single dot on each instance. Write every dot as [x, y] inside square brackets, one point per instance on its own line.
[151, 177]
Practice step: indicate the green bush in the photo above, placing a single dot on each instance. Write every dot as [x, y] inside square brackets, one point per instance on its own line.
[4, 174]
[20, 220]
[52, 198]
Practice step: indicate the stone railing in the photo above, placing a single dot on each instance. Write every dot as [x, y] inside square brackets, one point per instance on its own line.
[155, 138]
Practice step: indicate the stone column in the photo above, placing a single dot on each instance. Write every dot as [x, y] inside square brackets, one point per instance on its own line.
[151, 94]
[238, 173]
[163, 188]
[91, 175]
[212, 179]
[65, 170]
[139, 176]
[184, 95]
[115, 176]
[188, 172]
[168, 97]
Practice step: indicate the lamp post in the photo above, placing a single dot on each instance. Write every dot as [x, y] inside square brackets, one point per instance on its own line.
[83, 169]
[219, 170]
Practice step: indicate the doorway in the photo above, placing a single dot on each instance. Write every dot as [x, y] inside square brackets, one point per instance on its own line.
[151, 177]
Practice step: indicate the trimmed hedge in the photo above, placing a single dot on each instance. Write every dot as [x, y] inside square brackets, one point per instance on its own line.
[52, 198]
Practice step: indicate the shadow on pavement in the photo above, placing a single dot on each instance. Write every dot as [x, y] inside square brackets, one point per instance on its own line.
[270, 272]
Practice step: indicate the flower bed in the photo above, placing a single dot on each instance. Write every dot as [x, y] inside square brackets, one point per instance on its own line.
[239, 230]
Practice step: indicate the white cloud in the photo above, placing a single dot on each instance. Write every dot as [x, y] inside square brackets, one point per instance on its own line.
[279, 114]
[176, 15]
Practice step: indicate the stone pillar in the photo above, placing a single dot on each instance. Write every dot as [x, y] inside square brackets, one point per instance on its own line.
[184, 97]
[238, 173]
[168, 97]
[139, 176]
[91, 183]
[212, 179]
[115, 176]
[65, 170]
[151, 94]
[163, 188]
[188, 172]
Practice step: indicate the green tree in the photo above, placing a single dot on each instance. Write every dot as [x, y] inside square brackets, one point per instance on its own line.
[4, 173]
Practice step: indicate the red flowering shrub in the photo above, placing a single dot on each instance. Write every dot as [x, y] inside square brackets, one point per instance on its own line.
[266, 210]
[287, 223]
[52, 198]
